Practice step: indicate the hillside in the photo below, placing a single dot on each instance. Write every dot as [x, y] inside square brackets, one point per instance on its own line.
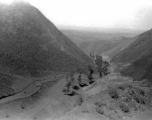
[118, 47]
[98, 47]
[105, 47]
[31, 45]
[139, 55]
[98, 41]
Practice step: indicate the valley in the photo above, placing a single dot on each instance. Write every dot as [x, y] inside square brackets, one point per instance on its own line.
[52, 73]
[100, 42]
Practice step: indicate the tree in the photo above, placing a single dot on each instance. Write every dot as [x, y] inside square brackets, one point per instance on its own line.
[81, 84]
[79, 79]
[67, 86]
[92, 55]
[99, 63]
[105, 67]
[90, 74]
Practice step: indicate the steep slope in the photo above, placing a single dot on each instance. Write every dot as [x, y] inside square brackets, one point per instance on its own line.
[139, 55]
[31, 45]
[121, 46]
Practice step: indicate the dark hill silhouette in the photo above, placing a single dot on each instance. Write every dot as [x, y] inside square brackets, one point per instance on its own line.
[139, 55]
[31, 45]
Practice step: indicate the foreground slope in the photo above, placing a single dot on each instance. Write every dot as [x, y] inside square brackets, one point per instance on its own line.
[31, 45]
[138, 55]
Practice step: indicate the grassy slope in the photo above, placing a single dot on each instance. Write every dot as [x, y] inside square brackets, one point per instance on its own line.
[119, 47]
[139, 54]
[30, 44]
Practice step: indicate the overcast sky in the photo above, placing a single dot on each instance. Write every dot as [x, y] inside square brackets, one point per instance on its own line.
[132, 14]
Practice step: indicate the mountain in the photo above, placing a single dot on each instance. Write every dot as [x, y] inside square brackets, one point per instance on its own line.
[97, 41]
[31, 45]
[137, 57]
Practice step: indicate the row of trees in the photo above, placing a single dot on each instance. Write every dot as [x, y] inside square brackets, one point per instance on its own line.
[78, 82]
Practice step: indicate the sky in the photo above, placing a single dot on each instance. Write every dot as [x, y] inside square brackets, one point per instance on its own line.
[123, 14]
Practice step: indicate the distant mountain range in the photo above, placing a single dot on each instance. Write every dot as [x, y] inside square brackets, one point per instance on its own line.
[137, 56]
[31, 45]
